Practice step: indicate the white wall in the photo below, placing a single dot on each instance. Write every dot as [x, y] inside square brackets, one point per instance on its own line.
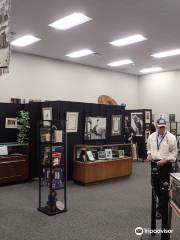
[160, 92]
[34, 77]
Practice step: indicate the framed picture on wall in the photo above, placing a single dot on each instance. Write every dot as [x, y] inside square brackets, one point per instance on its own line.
[47, 115]
[172, 117]
[137, 123]
[95, 128]
[147, 117]
[11, 123]
[116, 125]
[72, 122]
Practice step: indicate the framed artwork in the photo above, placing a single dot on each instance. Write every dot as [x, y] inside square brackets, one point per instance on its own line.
[72, 121]
[147, 117]
[137, 123]
[101, 155]
[108, 153]
[95, 128]
[121, 153]
[90, 156]
[172, 117]
[11, 123]
[47, 115]
[116, 124]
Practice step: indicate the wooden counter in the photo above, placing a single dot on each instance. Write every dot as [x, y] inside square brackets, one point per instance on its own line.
[101, 170]
[14, 168]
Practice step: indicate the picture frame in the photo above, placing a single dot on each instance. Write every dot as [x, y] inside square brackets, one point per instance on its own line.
[116, 125]
[72, 122]
[90, 156]
[47, 115]
[101, 155]
[172, 118]
[137, 123]
[147, 117]
[11, 123]
[121, 153]
[95, 128]
[108, 153]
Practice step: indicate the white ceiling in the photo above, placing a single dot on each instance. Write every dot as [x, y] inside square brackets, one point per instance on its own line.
[158, 20]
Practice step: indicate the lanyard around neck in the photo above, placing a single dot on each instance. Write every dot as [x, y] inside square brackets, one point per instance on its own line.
[159, 142]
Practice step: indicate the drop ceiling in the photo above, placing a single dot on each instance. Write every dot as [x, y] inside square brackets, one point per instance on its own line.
[158, 20]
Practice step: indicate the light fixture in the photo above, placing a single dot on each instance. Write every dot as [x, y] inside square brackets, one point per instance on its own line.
[128, 40]
[25, 40]
[70, 21]
[151, 70]
[120, 63]
[80, 53]
[166, 53]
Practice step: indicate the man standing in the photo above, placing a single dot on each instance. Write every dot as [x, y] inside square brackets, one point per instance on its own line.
[162, 151]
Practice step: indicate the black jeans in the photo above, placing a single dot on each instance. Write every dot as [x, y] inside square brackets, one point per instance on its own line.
[163, 176]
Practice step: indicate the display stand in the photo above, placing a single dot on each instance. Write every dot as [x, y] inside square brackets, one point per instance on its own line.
[95, 163]
[52, 176]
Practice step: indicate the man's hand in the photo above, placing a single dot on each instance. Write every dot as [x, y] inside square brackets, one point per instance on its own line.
[149, 157]
[162, 162]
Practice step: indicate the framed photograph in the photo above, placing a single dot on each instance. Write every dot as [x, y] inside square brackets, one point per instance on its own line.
[90, 156]
[95, 128]
[121, 153]
[172, 117]
[72, 122]
[47, 115]
[147, 117]
[101, 155]
[108, 153]
[116, 124]
[137, 123]
[11, 123]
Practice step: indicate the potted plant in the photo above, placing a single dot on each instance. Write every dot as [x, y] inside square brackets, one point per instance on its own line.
[23, 127]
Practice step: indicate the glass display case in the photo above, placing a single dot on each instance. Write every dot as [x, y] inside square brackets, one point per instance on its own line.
[52, 178]
[95, 153]
[93, 163]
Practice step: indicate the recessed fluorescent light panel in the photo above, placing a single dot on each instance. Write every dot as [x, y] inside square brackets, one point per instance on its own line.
[70, 21]
[80, 53]
[151, 70]
[128, 40]
[169, 53]
[25, 41]
[120, 63]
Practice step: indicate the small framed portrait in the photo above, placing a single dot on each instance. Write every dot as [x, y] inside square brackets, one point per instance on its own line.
[101, 155]
[116, 124]
[172, 118]
[47, 115]
[72, 122]
[11, 123]
[121, 153]
[147, 117]
[108, 153]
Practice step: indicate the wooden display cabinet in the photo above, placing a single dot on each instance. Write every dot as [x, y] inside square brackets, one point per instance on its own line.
[14, 166]
[94, 163]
